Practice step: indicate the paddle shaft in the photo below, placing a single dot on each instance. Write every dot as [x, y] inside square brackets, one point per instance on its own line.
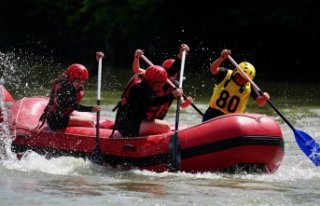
[174, 154]
[183, 60]
[146, 60]
[280, 114]
[172, 84]
[98, 102]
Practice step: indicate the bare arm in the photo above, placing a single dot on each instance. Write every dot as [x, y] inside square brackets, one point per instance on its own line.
[136, 62]
[216, 64]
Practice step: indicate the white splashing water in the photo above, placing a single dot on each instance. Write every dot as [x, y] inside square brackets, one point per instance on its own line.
[15, 73]
[33, 162]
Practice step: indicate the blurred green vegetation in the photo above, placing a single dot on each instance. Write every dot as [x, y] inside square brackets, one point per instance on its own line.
[277, 36]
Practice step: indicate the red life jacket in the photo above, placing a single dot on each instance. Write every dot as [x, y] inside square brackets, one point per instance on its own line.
[163, 110]
[79, 96]
[52, 104]
[134, 80]
[151, 112]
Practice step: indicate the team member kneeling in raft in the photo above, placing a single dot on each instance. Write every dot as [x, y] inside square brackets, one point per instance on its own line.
[66, 94]
[232, 91]
[134, 116]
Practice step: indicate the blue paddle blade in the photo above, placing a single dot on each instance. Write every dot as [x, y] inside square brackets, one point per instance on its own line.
[308, 145]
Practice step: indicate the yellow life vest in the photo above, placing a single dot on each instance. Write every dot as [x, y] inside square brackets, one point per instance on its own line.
[228, 97]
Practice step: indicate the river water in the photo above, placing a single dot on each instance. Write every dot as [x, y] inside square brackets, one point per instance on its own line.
[68, 181]
[35, 180]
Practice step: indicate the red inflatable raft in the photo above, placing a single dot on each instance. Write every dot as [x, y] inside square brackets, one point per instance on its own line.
[226, 143]
[7, 99]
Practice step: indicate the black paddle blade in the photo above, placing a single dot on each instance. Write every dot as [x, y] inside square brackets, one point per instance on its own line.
[96, 156]
[174, 157]
[308, 145]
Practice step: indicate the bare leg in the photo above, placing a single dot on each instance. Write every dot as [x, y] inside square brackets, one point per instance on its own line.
[154, 127]
[77, 121]
[77, 118]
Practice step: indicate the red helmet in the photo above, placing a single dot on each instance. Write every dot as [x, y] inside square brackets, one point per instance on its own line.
[77, 71]
[156, 73]
[167, 63]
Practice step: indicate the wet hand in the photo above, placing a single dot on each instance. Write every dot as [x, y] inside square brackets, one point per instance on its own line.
[187, 102]
[225, 53]
[138, 53]
[183, 47]
[177, 92]
[99, 55]
[261, 100]
[189, 99]
[96, 108]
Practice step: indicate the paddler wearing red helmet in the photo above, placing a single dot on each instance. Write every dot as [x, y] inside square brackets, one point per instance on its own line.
[132, 115]
[172, 67]
[66, 94]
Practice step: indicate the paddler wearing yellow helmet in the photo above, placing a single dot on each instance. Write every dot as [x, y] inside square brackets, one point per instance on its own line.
[232, 90]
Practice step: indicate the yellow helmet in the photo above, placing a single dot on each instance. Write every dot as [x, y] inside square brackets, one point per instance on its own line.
[248, 68]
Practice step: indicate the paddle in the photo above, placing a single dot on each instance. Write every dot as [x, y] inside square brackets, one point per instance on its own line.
[174, 157]
[185, 97]
[172, 85]
[97, 156]
[306, 143]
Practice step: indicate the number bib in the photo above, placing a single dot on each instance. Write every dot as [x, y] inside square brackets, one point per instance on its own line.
[228, 97]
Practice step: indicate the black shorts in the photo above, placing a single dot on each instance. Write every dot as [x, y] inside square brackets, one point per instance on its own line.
[211, 113]
[57, 121]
